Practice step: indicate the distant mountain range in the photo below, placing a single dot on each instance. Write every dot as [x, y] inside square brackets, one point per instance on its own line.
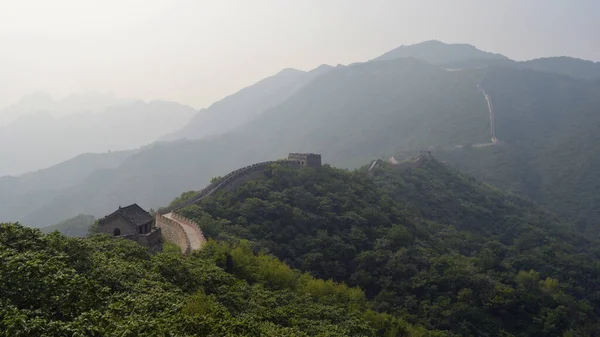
[235, 110]
[39, 139]
[421, 96]
[73, 104]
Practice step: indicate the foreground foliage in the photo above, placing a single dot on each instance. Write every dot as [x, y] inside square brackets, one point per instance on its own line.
[51, 285]
[423, 242]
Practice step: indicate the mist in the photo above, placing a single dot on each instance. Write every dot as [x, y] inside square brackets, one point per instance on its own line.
[197, 52]
[86, 76]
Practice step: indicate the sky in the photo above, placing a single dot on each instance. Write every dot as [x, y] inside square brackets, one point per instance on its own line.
[196, 52]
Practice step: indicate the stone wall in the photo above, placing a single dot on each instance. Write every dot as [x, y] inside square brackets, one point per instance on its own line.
[306, 159]
[229, 182]
[190, 223]
[236, 178]
[173, 232]
[152, 240]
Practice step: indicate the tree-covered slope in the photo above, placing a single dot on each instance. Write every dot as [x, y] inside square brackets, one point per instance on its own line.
[548, 125]
[51, 285]
[424, 242]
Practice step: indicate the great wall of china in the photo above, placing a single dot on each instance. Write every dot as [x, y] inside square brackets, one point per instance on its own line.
[185, 233]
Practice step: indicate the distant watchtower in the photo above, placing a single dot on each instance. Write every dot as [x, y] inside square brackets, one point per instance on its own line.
[425, 152]
[306, 159]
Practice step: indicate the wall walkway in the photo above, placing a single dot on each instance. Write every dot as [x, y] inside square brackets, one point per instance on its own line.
[184, 232]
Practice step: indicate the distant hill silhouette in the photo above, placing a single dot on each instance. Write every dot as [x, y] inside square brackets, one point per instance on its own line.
[237, 109]
[78, 226]
[22, 194]
[38, 139]
[436, 52]
[573, 67]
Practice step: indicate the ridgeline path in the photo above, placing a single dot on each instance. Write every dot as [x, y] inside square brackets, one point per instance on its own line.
[488, 99]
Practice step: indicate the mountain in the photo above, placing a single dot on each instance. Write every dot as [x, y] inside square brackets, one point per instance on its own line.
[78, 226]
[426, 243]
[461, 56]
[40, 140]
[25, 193]
[349, 114]
[546, 124]
[568, 66]
[436, 52]
[237, 109]
[73, 104]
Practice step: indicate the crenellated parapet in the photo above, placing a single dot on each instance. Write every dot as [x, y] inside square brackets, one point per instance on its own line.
[185, 232]
[198, 235]
[173, 232]
[235, 178]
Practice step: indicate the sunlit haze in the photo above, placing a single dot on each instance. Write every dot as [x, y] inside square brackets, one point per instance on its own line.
[197, 51]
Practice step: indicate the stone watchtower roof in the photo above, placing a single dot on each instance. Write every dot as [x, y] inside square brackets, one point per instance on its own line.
[134, 213]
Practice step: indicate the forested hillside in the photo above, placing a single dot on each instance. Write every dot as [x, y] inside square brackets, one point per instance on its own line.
[425, 243]
[549, 128]
[51, 285]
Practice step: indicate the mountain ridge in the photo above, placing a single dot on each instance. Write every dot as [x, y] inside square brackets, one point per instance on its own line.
[374, 109]
[437, 52]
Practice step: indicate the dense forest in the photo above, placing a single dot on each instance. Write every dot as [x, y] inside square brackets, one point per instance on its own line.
[548, 127]
[424, 242]
[416, 249]
[51, 285]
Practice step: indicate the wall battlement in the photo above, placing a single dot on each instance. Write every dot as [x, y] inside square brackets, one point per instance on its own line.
[185, 233]
[173, 232]
[306, 159]
[237, 177]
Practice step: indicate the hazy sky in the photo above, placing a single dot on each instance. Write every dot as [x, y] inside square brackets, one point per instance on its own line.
[197, 51]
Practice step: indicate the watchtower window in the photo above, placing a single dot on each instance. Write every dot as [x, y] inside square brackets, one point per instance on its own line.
[116, 232]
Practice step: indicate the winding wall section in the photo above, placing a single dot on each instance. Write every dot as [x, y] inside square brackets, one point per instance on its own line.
[229, 182]
[185, 232]
[174, 232]
[488, 99]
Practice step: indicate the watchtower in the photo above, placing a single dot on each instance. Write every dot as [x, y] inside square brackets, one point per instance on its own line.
[133, 223]
[306, 159]
[425, 152]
